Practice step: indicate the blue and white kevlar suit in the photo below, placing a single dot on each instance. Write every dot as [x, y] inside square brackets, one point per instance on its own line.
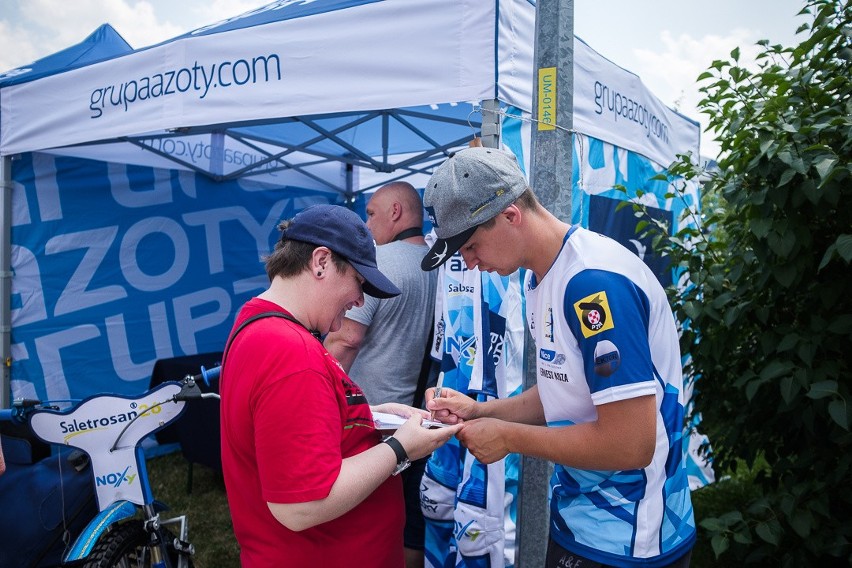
[470, 507]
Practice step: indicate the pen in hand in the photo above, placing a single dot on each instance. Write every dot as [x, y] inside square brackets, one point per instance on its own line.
[438, 390]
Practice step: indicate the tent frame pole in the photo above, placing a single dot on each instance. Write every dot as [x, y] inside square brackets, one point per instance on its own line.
[550, 176]
[6, 279]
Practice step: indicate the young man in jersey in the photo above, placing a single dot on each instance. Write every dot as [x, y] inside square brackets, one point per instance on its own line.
[608, 405]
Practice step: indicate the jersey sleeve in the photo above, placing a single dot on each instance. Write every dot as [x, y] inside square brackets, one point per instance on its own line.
[608, 315]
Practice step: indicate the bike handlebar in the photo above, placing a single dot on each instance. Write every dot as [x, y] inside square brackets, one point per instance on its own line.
[210, 374]
[22, 407]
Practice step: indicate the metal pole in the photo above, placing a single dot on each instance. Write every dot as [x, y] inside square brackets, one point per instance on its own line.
[5, 279]
[491, 119]
[550, 177]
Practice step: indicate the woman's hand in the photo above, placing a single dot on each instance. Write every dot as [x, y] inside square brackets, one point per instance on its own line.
[399, 409]
[419, 441]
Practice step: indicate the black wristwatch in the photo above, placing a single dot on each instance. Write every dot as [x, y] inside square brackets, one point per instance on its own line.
[402, 461]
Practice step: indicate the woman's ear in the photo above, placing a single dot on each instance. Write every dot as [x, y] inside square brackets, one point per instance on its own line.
[320, 260]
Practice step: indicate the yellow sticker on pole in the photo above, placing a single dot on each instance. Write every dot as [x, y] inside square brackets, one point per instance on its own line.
[547, 98]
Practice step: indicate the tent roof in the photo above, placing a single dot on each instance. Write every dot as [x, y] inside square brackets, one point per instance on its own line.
[103, 43]
[310, 89]
[339, 95]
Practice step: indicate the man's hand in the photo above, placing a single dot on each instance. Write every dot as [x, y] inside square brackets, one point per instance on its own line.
[452, 407]
[483, 438]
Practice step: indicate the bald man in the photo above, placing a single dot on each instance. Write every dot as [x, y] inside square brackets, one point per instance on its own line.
[381, 344]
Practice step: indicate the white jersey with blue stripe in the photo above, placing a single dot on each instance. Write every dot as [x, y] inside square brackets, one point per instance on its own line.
[604, 332]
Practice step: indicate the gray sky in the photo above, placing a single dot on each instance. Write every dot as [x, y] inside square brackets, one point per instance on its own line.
[668, 43]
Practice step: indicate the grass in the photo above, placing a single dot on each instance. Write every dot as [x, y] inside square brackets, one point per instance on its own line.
[210, 528]
[211, 532]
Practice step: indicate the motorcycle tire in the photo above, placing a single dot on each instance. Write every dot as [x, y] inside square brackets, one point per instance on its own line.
[127, 545]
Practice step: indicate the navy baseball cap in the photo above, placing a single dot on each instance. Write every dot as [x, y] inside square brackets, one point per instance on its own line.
[343, 231]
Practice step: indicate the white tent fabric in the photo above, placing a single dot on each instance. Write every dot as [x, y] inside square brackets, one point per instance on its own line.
[330, 97]
[238, 85]
[385, 86]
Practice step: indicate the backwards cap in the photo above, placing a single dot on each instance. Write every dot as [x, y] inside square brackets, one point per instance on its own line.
[471, 187]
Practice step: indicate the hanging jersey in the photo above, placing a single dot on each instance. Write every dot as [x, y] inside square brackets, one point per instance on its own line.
[479, 338]
[604, 332]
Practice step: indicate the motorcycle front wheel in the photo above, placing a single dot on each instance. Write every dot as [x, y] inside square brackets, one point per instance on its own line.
[126, 545]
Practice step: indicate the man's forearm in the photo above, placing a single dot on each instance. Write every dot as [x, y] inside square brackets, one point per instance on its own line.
[524, 408]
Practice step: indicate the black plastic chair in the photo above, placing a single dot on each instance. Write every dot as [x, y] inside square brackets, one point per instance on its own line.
[197, 431]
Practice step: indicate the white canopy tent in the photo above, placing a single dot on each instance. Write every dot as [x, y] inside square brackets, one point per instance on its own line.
[331, 97]
[289, 86]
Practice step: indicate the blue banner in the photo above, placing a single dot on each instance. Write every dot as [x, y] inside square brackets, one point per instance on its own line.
[117, 266]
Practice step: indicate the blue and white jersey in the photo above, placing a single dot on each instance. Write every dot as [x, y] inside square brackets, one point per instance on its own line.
[604, 332]
[469, 507]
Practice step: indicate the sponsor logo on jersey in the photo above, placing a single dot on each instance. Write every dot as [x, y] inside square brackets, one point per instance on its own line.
[607, 358]
[548, 323]
[459, 289]
[551, 356]
[594, 314]
[553, 375]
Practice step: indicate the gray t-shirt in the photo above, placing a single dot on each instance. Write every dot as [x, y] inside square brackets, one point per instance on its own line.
[388, 364]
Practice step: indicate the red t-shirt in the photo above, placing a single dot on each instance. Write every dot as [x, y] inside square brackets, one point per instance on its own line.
[290, 415]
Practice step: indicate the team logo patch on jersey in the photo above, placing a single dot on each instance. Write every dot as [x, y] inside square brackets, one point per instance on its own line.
[594, 315]
[607, 358]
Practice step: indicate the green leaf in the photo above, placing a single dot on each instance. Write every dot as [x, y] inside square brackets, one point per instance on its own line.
[752, 388]
[842, 325]
[802, 521]
[822, 389]
[770, 531]
[713, 524]
[844, 247]
[781, 244]
[784, 274]
[760, 227]
[720, 544]
[786, 176]
[731, 518]
[775, 369]
[824, 166]
[839, 412]
[789, 388]
[743, 537]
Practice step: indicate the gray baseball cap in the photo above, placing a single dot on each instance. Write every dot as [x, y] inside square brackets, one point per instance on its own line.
[471, 187]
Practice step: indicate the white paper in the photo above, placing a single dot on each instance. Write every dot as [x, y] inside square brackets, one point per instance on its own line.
[386, 421]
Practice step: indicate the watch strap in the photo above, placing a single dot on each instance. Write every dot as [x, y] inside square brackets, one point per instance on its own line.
[402, 460]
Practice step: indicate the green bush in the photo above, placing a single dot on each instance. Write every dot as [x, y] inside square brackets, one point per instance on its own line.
[769, 305]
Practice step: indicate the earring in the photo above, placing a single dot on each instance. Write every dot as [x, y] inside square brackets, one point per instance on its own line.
[319, 273]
